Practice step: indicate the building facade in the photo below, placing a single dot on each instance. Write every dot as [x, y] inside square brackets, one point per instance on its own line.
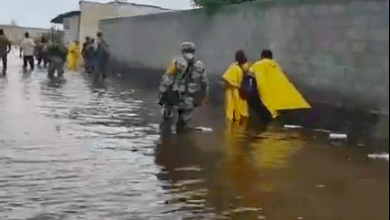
[77, 25]
[70, 22]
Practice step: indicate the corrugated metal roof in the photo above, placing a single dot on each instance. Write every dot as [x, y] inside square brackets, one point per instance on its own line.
[59, 19]
[126, 3]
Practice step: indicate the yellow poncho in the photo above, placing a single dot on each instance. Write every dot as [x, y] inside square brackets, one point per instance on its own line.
[235, 106]
[276, 91]
[73, 58]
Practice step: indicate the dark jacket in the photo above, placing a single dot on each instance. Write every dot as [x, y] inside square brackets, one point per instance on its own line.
[5, 45]
[57, 50]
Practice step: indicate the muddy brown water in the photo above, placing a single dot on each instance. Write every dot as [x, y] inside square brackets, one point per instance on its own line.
[75, 149]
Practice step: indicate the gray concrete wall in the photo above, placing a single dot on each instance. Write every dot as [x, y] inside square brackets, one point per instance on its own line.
[16, 34]
[336, 53]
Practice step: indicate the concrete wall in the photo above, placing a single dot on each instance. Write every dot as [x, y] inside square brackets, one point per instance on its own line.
[71, 29]
[336, 53]
[16, 34]
[92, 13]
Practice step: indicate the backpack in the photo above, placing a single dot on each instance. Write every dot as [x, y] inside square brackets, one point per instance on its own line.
[173, 96]
[248, 86]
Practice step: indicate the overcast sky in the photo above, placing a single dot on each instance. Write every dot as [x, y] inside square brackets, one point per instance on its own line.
[38, 13]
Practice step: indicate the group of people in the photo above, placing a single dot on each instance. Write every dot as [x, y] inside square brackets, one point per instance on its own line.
[56, 55]
[256, 91]
[272, 91]
[95, 55]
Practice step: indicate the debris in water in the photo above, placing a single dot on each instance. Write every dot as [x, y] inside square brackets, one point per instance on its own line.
[361, 145]
[335, 136]
[382, 156]
[203, 129]
[320, 186]
[293, 126]
[247, 209]
[200, 201]
[338, 144]
[323, 131]
[189, 169]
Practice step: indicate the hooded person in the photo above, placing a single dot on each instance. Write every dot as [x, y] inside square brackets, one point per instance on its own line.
[236, 108]
[276, 91]
[73, 59]
[184, 87]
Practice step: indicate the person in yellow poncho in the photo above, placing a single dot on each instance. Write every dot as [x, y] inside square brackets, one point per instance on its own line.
[236, 108]
[73, 58]
[276, 91]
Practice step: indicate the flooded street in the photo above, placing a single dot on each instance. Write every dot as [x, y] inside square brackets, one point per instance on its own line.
[75, 149]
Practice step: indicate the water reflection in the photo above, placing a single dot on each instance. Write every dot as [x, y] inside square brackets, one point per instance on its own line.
[79, 149]
[254, 166]
[239, 180]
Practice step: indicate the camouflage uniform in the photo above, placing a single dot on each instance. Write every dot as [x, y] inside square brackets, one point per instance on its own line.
[57, 55]
[188, 80]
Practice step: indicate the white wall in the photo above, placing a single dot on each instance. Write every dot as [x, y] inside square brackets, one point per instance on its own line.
[92, 13]
[71, 29]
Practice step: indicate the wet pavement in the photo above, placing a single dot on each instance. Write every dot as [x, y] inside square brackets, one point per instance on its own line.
[77, 149]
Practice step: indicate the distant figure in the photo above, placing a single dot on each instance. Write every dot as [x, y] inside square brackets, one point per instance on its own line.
[276, 91]
[102, 56]
[184, 87]
[27, 48]
[56, 52]
[73, 58]
[40, 55]
[5, 48]
[236, 108]
[87, 61]
[90, 56]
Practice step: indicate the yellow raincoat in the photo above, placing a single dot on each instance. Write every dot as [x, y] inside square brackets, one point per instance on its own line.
[73, 59]
[276, 91]
[235, 107]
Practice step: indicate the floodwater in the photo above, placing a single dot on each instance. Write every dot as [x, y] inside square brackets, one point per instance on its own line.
[77, 149]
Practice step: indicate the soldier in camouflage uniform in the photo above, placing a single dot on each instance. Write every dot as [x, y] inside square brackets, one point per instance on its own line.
[184, 87]
[56, 52]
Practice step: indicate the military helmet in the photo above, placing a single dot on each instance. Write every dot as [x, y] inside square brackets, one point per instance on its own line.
[188, 47]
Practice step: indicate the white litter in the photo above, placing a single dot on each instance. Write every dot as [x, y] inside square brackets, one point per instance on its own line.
[293, 126]
[383, 156]
[203, 129]
[322, 130]
[335, 136]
